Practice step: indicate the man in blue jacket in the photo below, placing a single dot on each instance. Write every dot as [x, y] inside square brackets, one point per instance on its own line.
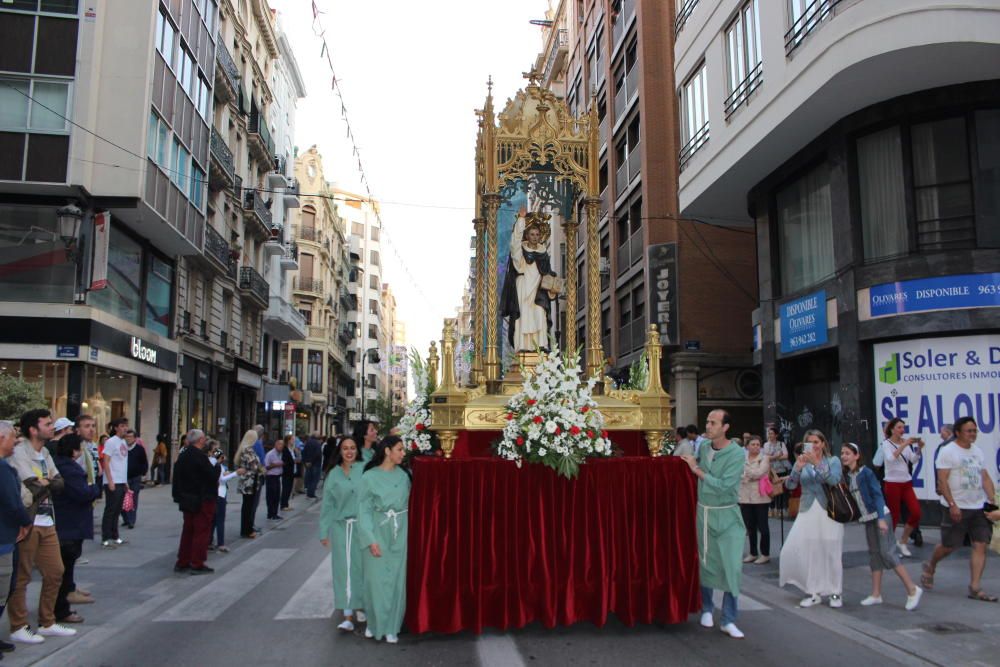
[14, 520]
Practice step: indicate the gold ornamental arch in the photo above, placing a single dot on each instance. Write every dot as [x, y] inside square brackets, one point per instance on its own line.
[535, 134]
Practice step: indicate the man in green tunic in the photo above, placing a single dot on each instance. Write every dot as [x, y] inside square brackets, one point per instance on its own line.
[720, 527]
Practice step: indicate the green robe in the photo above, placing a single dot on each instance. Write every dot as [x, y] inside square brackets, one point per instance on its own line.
[384, 502]
[720, 547]
[367, 454]
[338, 523]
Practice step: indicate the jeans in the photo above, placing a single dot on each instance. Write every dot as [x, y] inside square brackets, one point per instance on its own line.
[70, 552]
[112, 509]
[193, 549]
[729, 610]
[273, 495]
[312, 480]
[134, 483]
[220, 521]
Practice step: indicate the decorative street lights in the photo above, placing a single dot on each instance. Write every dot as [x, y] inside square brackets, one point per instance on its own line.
[69, 218]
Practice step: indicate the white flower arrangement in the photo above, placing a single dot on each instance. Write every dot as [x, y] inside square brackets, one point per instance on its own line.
[414, 425]
[554, 420]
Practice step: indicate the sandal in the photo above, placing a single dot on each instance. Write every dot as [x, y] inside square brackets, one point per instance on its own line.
[927, 577]
[981, 596]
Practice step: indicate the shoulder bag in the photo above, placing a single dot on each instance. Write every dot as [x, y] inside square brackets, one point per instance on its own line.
[840, 503]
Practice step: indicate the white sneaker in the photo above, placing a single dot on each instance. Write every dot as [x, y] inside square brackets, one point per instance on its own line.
[26, 635]
[836, 601]
[749, 559]
[810, 601]
[120, 541]
[360, 616]
[368, 634]
[731, 630]
[913, 600]
[871, 601]
[391, 639]
[762, 560]
[706, 620]
[346, 625]
[108, 544]
[56, 630]
[903, 549]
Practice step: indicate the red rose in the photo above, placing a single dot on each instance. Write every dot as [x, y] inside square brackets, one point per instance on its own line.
[584, 409]
[520, 441]
[558, 430]
[531, 401]
[413, 445]
[537, 419]
[604, 434]
[420, 427]
[590, 434]
[510, 415]
[574, 430]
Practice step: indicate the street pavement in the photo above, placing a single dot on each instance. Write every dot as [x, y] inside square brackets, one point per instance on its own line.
[269, 603]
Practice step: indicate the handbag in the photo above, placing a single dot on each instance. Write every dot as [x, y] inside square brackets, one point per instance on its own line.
[128, 503]
[840, 503]
[777, 485]
[765, 487]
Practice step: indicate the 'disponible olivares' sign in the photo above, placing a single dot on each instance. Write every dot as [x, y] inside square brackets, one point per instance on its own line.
[803, 322]
[971, 290]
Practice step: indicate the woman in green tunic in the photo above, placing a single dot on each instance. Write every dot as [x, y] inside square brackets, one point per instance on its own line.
[719, 468]
[338, 530]
[382, 519]
[366, 435]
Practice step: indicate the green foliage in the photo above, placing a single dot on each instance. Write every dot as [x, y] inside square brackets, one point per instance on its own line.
[18, 396]
[638, 374]
[387, 416]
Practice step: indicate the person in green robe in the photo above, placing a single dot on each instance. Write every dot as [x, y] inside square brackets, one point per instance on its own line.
[366, 435]
[338, 530]
[721, 531]
[382, 519]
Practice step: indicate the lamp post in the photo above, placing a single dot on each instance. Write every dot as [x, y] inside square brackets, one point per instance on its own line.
[373, 353]
[69, 218]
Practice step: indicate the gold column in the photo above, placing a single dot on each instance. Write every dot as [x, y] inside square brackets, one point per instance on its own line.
[595, 355]
[570, 229]
[478, 374]
[492, 200]
[654, 353]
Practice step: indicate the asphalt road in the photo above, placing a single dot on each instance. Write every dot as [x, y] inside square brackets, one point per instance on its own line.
[269, 603]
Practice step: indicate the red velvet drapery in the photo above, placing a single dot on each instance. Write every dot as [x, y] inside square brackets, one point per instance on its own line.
[492, 545]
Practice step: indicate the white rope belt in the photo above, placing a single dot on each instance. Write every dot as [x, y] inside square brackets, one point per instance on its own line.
[350, 534]
[704, 526]
[393, 515]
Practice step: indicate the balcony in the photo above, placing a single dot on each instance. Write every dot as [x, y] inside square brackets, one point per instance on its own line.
[257, 213]
[233, 268]
[741, 94]
[222, 168]
[259, 138]
[290, 257]
[253, 285]
[557, 55]
[217, 249]
[683, 14]
[227, 74]
[282, 321]
[812, 16]
[290, 196]
[307, 284]
[310, 234]
[275, 243]
[276, 178]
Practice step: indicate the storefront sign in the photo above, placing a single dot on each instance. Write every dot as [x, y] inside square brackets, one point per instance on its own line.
[974, 290]
[663, 291]
[141, 351]
[803, 322]
[933, 381]
[67, 351]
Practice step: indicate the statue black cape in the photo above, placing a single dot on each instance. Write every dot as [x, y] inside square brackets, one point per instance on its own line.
[509, 307]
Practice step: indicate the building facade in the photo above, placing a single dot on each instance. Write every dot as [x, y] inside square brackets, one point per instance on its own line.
[689, 276]
[861, 138]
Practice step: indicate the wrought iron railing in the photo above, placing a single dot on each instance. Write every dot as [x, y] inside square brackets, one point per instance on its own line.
[811, 17]
[224, 156]
[216, 246]
[291, 252]
[252, 201]
[233, 268]
[229, 67]
[238, 187]
[699, 139]
[744, 89]
[683, 13]
[254, 283]
[258, 126]
[308, 285]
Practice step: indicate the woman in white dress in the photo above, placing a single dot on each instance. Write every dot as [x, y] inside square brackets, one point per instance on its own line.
[811, 556]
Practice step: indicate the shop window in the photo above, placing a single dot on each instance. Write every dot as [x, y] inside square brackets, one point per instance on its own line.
[942, 185]
[108, 395]
[50, 376]
[882, 194]
[121, 297]
[34, 266]
[805, 227]
[988, 178]
[159, 284]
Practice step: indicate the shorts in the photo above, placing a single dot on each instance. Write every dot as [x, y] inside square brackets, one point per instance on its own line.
[973, 523]
[882, 554]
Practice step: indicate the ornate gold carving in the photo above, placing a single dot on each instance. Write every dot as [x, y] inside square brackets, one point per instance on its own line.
[624, 395]
[570, 230]
[432, 363]
[654, 440]
[491, 417]
[595, 355]
[478, 372]
[448, 438]
[492, 200]
[448, 356]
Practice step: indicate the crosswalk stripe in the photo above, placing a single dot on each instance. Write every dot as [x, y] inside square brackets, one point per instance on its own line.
[743, 603]
[314, 599]
[212, 600]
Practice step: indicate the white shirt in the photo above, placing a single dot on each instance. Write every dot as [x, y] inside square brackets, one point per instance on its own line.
[896, 469]
[116, 449]
[224, 481]
[965, 478]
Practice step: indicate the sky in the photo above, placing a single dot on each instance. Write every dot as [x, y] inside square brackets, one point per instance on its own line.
[412, 75]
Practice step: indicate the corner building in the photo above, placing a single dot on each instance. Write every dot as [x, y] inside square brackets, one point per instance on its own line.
[862, 139]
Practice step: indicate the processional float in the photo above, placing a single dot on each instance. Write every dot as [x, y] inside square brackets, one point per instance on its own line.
[535, 162]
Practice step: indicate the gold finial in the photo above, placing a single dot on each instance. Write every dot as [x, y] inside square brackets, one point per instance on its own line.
[533, 76]
[489, 84]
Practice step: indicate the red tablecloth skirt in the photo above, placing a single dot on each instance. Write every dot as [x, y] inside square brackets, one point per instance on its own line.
[492, 545]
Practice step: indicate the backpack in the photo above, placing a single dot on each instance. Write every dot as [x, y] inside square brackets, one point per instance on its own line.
[840, 503]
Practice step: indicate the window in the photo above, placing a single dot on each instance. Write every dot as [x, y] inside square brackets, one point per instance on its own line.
[358, 229]
[374, 233]
[315, 371]
[295, 366]
[373, 256]
[187, 74]
[743, 56]
[35, 105]
[805, 227]
[162, 145]
[373, 282]
[307, 315]
[151, 133]
[121, 297]
[373, 306]
[694, 114]
[372, 331]
[624, 310]
[166, 37]
[988, 178]
[204, 99]
[182, 162]
[197, 186]
[159, 284]
[942, 185]
[45, 6]
[882, 194]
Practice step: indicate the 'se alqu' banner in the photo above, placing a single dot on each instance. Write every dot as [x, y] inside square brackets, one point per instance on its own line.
[933, 381]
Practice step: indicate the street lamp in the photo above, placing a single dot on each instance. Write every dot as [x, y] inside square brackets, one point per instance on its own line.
[373, 353]
[69, 218]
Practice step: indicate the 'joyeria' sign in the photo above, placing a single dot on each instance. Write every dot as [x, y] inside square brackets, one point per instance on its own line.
[141, 352]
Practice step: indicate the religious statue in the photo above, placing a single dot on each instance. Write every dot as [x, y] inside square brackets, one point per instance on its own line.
[530, 284]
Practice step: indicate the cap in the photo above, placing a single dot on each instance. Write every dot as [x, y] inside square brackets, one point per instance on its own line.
[62, 423]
